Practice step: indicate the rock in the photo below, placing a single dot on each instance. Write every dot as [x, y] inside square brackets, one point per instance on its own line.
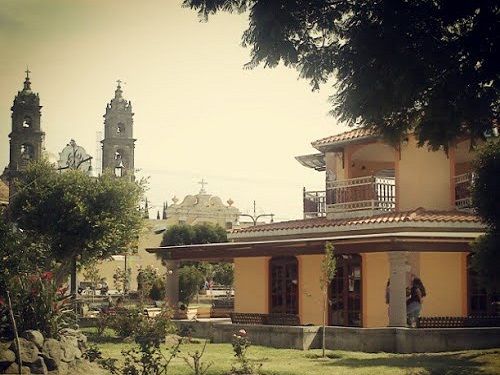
[63, 368]
[52, 354]
[69, 349]
[28, 350]
[39, 367]
[35, 337]
[81, 338]
[7, 355]
[4, 345]
[14, 369]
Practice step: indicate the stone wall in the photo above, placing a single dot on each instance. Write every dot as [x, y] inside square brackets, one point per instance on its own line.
[391, 340]
[43, 356]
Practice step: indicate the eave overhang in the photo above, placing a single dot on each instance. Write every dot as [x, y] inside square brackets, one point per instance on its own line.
[345, 244]
[314, 161]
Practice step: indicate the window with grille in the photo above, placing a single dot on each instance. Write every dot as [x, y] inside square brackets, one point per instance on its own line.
[284, 285]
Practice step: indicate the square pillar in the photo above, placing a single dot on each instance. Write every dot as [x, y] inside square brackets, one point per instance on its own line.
[397, 290]
[172, 283]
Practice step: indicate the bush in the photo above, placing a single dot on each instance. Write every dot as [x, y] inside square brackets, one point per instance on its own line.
[158, 292]
[190, 281]
[132, 323]
[39, 305]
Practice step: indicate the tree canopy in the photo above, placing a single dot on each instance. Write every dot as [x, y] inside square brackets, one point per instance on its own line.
[486, 255]
[185, 234]
[77, 215]
[429, 67]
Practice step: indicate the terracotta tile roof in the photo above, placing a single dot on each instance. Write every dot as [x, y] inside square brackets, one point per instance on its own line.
[4, 192]
[343, 137]
[417, 215]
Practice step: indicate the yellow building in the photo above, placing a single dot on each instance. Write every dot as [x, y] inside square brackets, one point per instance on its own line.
[390, 211]
[194, 209]
[202, 208]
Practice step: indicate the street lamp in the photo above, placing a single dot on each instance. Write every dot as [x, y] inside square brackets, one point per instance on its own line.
[256, 217]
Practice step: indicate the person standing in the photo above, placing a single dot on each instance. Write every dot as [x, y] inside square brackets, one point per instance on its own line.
[414, 302]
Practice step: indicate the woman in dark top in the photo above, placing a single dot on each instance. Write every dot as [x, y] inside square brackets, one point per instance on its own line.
[414, 302]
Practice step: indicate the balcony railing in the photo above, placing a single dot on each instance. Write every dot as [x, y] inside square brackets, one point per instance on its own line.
[356, 194]
[463, 184]
[363, 193]
[314, 203]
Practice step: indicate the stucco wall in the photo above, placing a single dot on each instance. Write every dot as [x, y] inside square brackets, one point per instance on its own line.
[445, 280]
[423, 178]
[311, 296]
[251, 285]
[361, 168]
[142, 259]
[334, 164]
[375, 272]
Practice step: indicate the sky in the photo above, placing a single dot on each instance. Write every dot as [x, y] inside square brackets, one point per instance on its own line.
[198, 113]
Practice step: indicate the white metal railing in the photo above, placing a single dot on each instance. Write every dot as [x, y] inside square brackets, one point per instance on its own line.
[362, 193]
[463, 184]
[314, 203]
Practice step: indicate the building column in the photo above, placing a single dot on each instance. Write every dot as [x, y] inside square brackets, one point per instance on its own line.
[172, 283]
[397, 290]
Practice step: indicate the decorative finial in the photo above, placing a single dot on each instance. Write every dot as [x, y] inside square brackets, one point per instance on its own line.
[175, 199]
[203, 183]
[118, 91]
[27, 83]
[230, 202]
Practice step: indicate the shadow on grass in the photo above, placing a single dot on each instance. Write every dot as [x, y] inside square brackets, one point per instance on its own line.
[460, 363]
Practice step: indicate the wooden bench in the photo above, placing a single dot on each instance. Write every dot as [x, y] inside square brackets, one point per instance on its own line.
[283, 320]
[458, 321]
[265, 319]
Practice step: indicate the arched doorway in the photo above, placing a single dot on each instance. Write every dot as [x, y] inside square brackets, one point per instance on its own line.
[283, 288]
[345, 292]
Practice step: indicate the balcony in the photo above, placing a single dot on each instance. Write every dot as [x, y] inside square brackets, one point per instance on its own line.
[362, 193]
[314, 203]
[463, 184]
[369, 193]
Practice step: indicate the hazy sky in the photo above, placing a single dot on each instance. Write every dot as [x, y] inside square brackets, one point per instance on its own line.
[198, 113]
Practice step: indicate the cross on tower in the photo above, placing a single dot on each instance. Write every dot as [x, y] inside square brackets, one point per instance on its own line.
[28, 71]
[119, 81]
[203, 183]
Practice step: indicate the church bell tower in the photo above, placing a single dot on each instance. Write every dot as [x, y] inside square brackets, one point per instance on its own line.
[26, 137]
[118, 143]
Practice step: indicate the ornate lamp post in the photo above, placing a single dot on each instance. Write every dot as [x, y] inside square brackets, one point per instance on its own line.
[256, 217]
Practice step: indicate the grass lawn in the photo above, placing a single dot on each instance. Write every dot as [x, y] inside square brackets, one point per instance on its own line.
[296, 362]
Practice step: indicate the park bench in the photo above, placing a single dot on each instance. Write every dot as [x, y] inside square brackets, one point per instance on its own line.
[265, 319]
[458, 321]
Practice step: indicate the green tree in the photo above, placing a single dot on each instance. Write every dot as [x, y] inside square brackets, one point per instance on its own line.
[77, 215]
[486, 249]
[20, 255]
[91, 273]
[223, 274]
[177, 235]
[425, 66]
[185, 234]
[190, 281]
